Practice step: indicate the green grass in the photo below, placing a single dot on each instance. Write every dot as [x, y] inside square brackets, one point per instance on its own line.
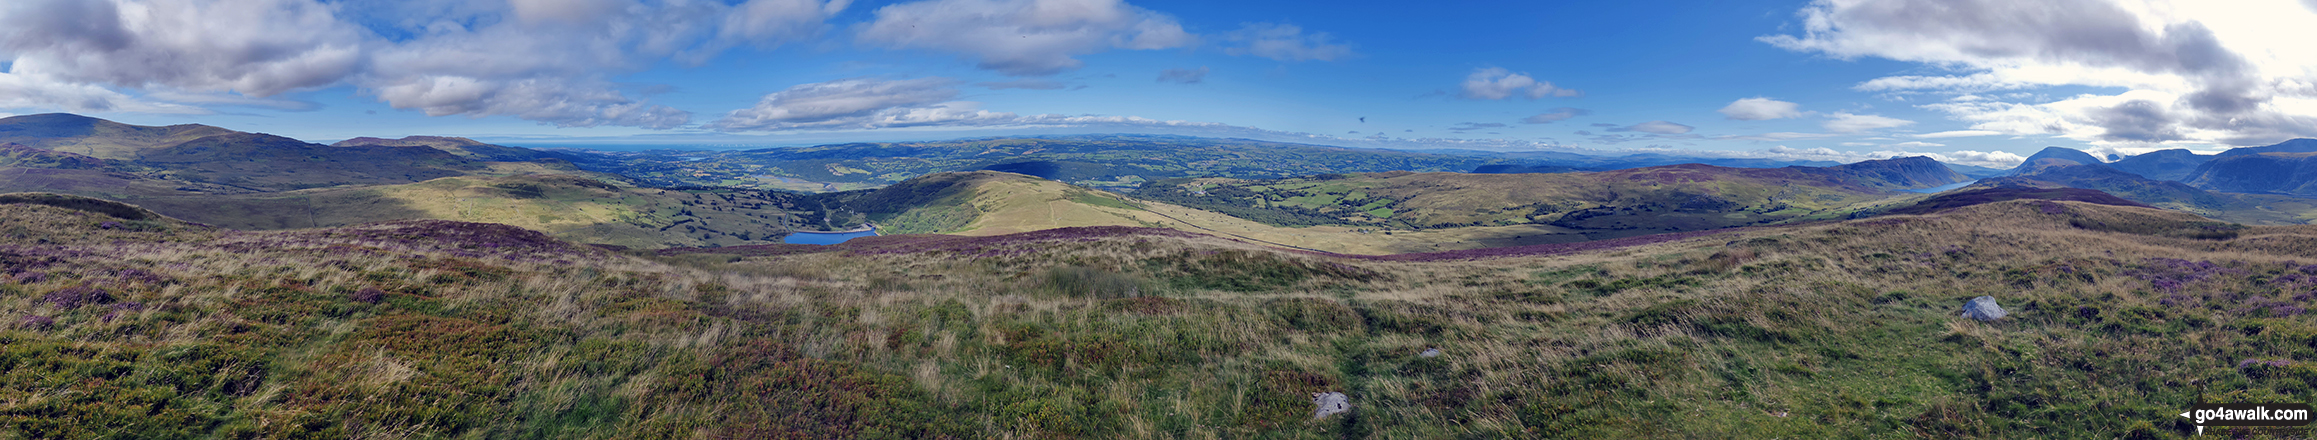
[1834, 330]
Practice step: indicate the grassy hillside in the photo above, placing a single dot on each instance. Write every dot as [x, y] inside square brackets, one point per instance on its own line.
[462, 147]
[1669, 198]
[158, 329]
[984, 203]
[571, 208]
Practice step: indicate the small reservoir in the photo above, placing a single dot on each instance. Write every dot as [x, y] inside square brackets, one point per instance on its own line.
[827, 238]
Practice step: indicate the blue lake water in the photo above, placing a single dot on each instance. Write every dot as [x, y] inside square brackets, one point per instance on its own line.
[826, 238]
[1942, 188]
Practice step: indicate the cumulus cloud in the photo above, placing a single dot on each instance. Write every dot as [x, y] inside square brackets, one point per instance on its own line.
[1285, 42]
[2228, 73]
[1761, 109]
[1856, 123]
[1916, 144]
[1023, 37]
[1556, 115]
[542, 60]
[182, 44]
[1183, 76]
[859, 103]
[1469, 126]
[29, 91]
[1498, 83]
[1655, 127]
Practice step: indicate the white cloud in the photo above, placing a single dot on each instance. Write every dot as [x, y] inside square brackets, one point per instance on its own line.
[1759, 109]
[1858, 144]
[1990, 159]
[1183, 76]
[1916, 144]
[1025, 84]
[1498, 83]
[30, 91]
[1285, 42]
[1556, 115]
[1655, 127]
[1955, 134]
[1024, 37]
[859, 103]
[543, 60]
[2192, 72]
[183, 44]
[1855, 123]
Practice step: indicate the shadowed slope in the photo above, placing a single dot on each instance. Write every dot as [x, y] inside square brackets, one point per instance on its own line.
[2277, 173]
[96, 137]
[2175, 164]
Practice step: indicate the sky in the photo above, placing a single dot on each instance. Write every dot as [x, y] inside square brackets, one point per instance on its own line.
[1977, 82]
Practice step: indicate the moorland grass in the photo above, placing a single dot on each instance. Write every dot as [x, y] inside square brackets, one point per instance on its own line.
[1833, 330]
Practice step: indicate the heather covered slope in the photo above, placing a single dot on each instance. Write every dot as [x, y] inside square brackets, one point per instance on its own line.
[148, 329]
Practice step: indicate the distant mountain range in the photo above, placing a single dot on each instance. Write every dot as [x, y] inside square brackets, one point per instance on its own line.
[2216, 188]
[1292, 195]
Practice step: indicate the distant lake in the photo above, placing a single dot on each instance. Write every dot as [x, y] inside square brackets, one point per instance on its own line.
[1941, 188]
[826, 238]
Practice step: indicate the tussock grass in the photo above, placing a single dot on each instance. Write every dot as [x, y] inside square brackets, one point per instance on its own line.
[1845, 329]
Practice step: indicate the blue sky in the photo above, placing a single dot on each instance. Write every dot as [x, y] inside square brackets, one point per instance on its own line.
[1971, 81]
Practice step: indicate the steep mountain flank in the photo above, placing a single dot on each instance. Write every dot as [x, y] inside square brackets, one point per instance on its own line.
[2276, 172]
[1898, 173]
[2175, 164]
[2056, 156]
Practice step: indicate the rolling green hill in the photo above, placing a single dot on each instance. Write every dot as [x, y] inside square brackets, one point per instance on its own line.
[462, 147]
[1668, 198]
[571, 208]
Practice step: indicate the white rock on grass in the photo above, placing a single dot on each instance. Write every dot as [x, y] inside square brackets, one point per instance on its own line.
[1983, 309]
[1430, 352]
[1330, 403]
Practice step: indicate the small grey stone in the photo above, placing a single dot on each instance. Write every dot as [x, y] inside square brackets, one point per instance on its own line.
[1983, 309]
[1430, 352]
[1329, 403]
